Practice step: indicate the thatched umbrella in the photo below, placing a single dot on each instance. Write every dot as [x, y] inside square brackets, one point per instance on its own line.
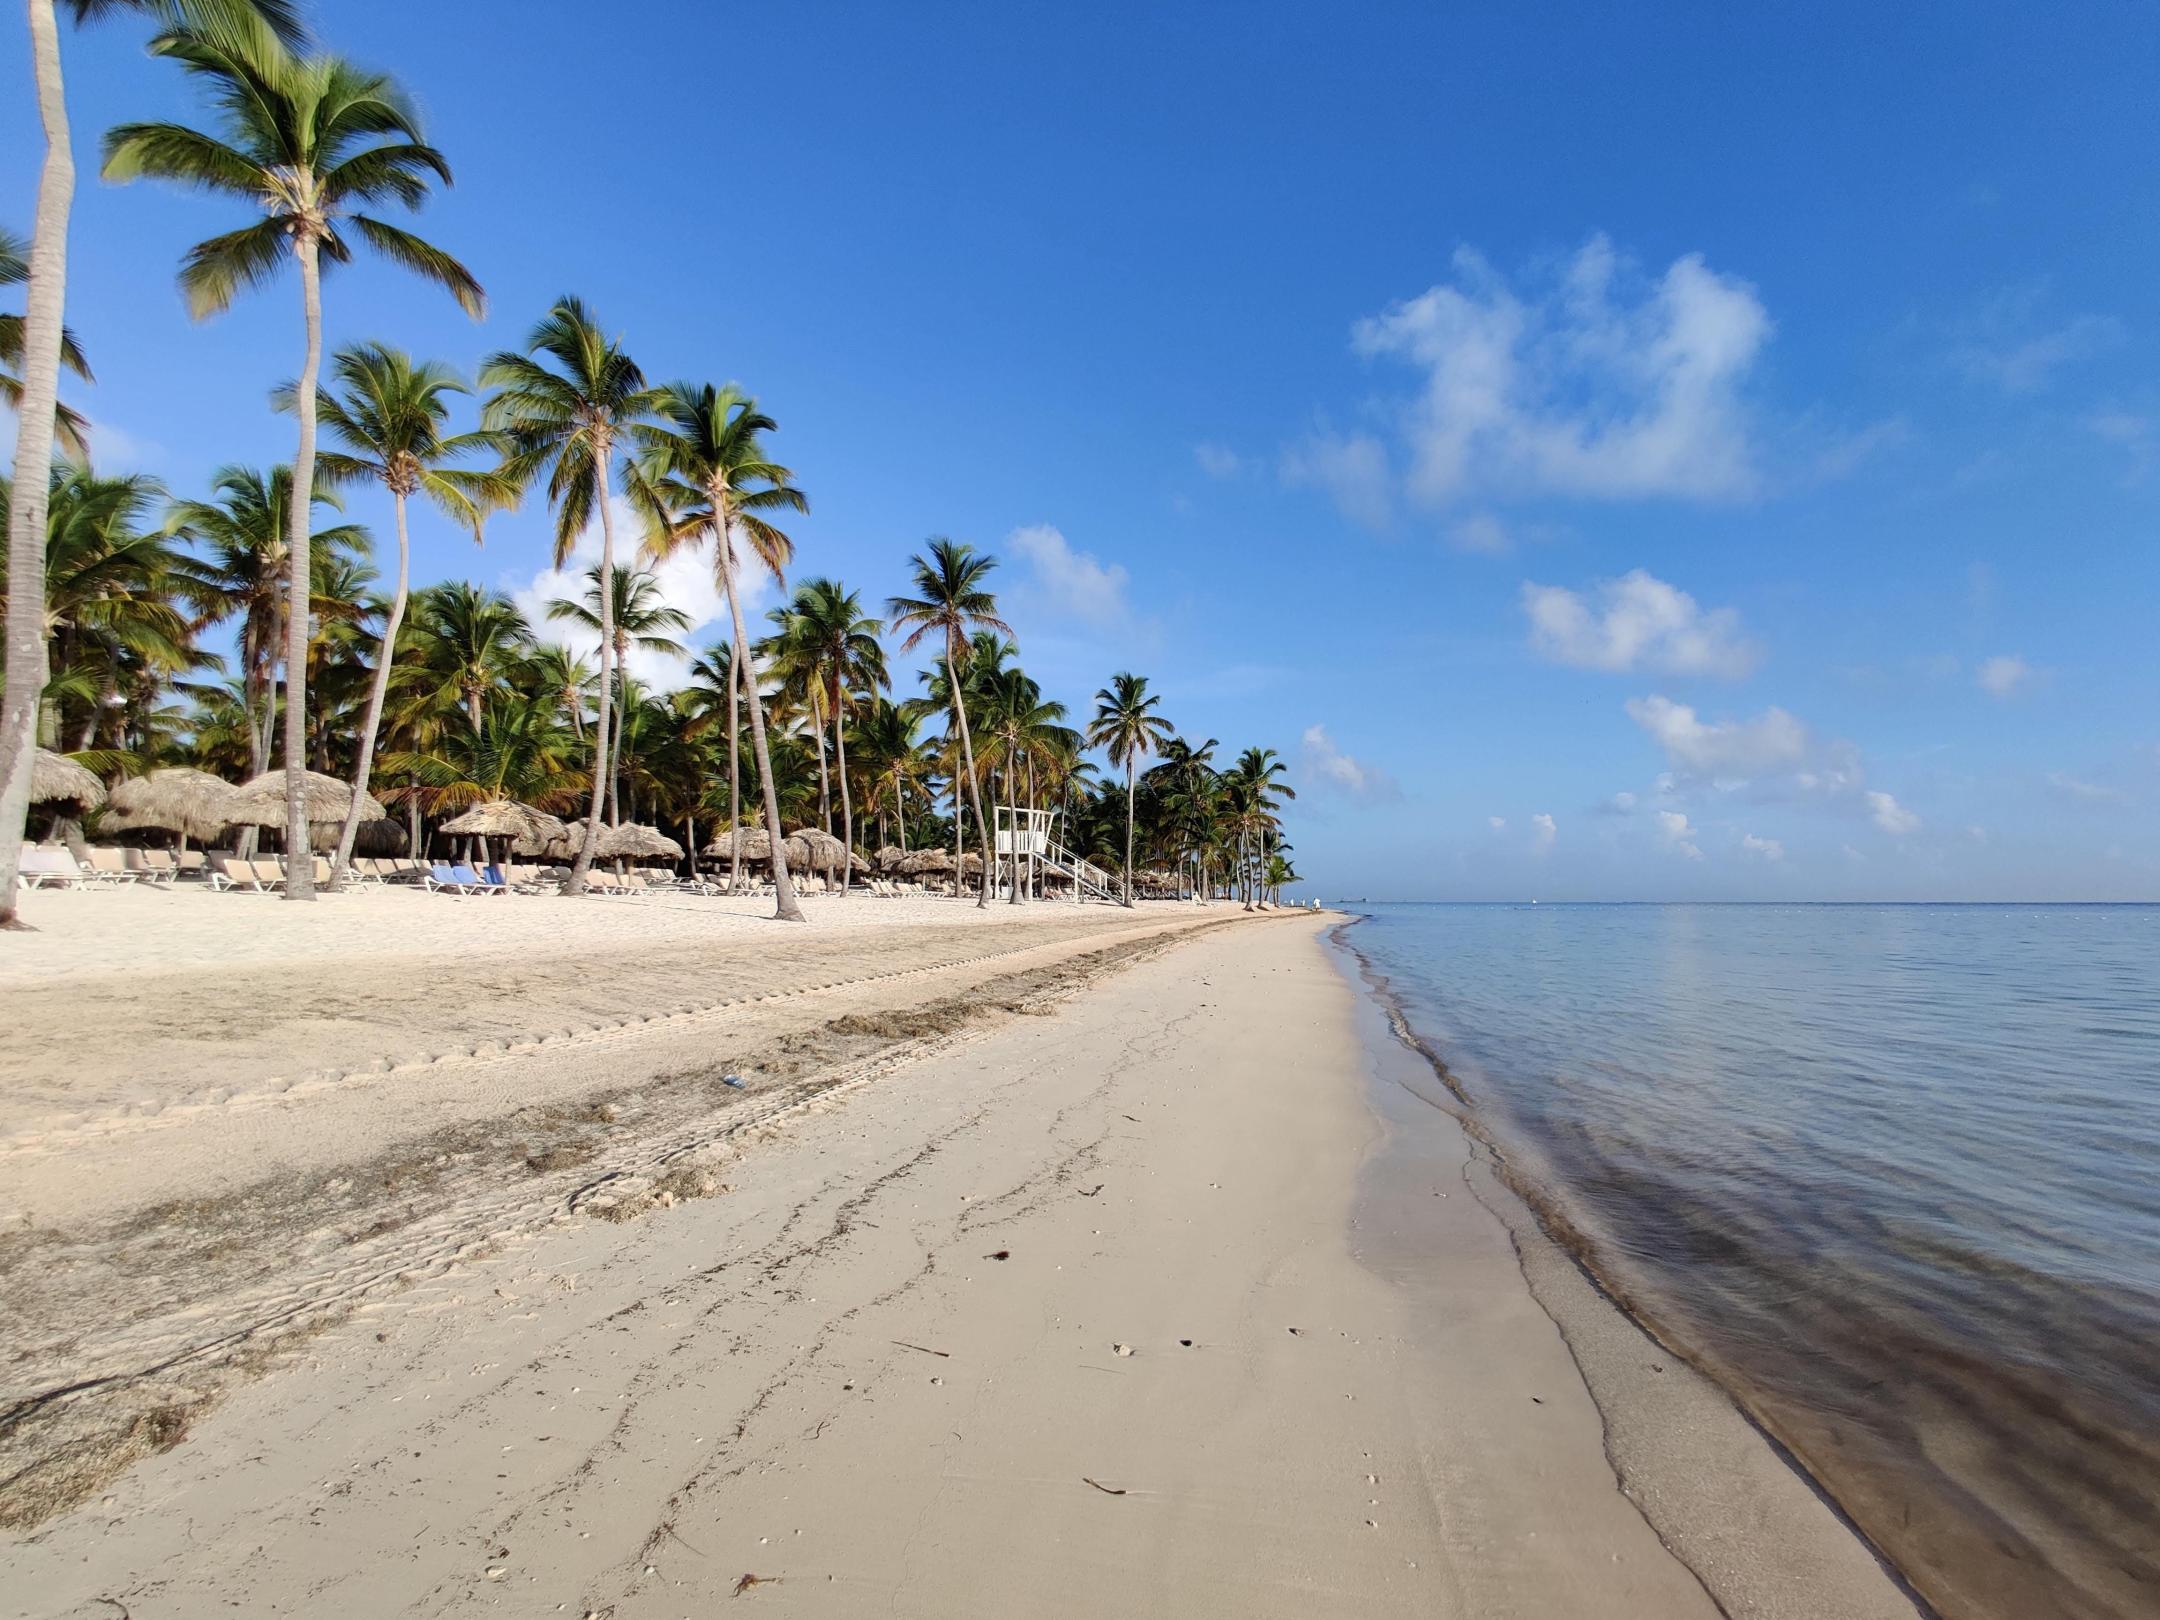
[754, 842]
[925, 863]
[821, 851]
[501, 818]
[890, 857]
[179, 798]
[380, 837]
[55, 779]
[637, 842]
[519, 824]
[554, 833]
[261, 802]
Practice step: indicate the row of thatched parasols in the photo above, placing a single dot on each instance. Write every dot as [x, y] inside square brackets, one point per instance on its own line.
[808, 849]
[198, 805]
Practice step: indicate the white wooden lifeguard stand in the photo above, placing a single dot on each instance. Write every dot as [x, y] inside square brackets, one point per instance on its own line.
[1025, 836]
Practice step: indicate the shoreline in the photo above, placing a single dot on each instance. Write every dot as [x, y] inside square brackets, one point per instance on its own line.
[1128, 1294]
[1736, 1472]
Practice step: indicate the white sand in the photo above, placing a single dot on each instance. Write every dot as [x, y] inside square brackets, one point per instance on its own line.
[824, 1379]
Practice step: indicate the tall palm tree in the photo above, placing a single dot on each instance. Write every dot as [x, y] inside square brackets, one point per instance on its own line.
[636, 615]
[69, 430]
[43, 345]
[565, 404]
[716, 683]
[390, 423]
[1127, 727]
[894, 758]
[704, 477]
[470, 645]
[555, 669]
[241, 530]
[1257, 788]
[825, 628]
[950, 600]
[307, 138]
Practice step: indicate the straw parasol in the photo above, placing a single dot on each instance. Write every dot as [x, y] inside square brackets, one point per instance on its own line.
[926, 863]
[637, 842]
[890, 857]
[821, 851]
[55, 777]
[179, 798]
[261, 802]
[504, 818]
[754, 842]
[384, 837]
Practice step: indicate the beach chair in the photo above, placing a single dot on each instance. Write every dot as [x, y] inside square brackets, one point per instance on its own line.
[605, 884]
[109, 865]
[460, 881]
[268, 876]
[155, 867]
[192, 863]
[44, 866]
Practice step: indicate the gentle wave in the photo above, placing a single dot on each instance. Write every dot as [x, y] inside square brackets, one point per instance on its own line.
[1886, 1172]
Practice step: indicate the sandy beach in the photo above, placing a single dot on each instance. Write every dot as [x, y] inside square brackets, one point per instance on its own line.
[1060, 1261]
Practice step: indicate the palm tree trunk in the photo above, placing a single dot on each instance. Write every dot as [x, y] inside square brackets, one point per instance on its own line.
[300, 870]
[824, 782]
[604, 456]
[734, 772]
[784, 905]
[364, 767]
[967, 757]
[847, 802]
[47, 291]
[1128, 829]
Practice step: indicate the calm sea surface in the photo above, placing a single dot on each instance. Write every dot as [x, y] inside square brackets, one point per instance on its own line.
[1891, 1173]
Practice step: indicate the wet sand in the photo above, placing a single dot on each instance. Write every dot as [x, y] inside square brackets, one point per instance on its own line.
[1111, 1276]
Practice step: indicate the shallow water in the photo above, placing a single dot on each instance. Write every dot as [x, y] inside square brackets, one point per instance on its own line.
[1892, 1173]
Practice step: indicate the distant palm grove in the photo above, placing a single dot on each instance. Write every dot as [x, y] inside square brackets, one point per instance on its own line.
[268, 623]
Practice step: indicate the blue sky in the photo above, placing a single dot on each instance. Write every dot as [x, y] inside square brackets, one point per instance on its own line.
[1645, 452]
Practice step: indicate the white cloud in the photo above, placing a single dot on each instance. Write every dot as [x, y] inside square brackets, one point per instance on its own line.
[686, 583]
[1328, 766]
[2002, 675]
[1679, 836]
[1482, 534]
[1352, 468]
[1496, 823]
[2007, 345]
[1768, 848]
[1074, 581]
[1890, 816]
[1637, 622]
[1545, 832]
[1599, 384]
[1774, 740]
[2137, 435]
[2071, 787]
[1620, 804]
[1217, 460]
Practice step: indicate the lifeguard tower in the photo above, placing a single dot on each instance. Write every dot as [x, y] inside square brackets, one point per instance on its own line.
[1025, 846]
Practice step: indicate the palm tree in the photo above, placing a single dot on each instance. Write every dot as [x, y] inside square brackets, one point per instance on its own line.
[1127, 727]
[43, 346]
[564, 404]
[1257, 787]
[949, 600]
[242, 531]
[308, 138]
[704, 476]
[69, 430]
[556, 670]
[636, 615]
[716, 683]
[836, 644]
[390, 424]
[471, 645]
[894, 758]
